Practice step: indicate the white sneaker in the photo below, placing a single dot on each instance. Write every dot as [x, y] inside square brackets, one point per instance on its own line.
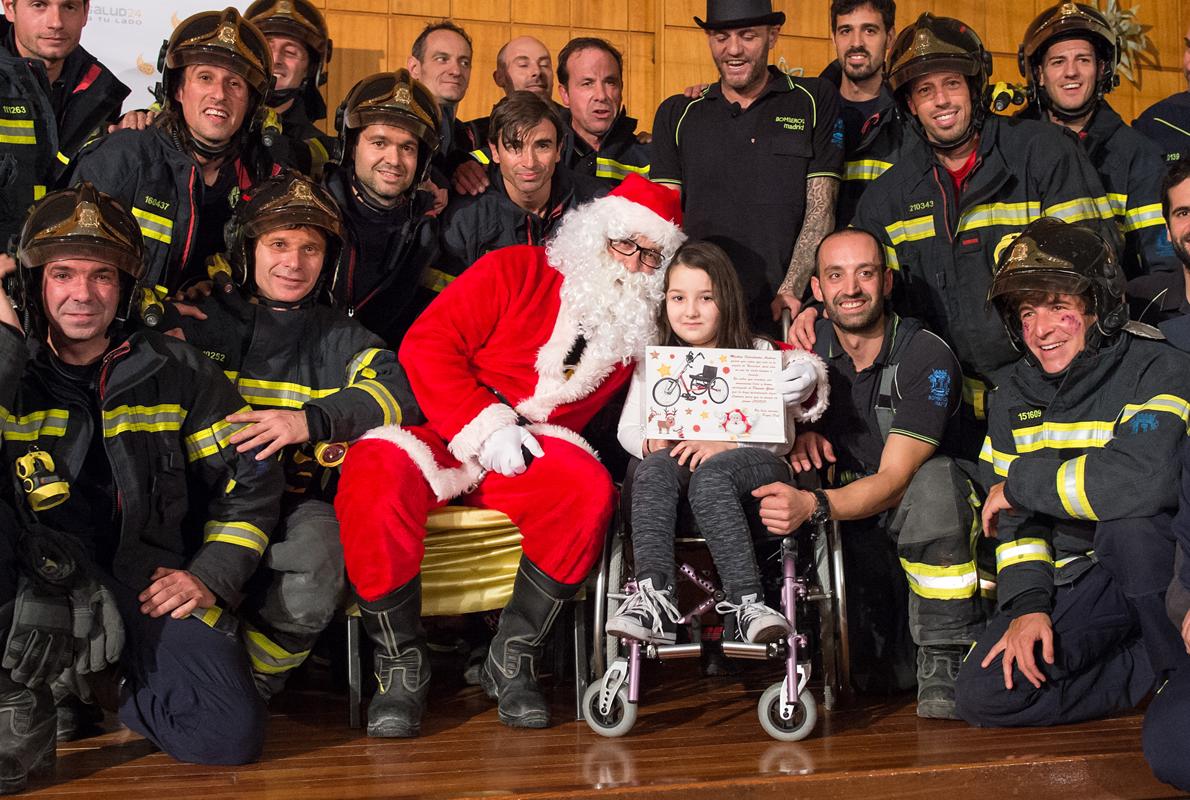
[758, 624]
[640, 617]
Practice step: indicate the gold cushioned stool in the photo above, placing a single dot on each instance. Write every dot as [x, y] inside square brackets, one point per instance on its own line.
[471, 561]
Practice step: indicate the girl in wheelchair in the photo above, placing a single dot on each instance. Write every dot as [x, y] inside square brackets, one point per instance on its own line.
[704, 307]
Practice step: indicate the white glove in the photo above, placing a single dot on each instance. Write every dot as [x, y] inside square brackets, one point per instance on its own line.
[502, 452]
[796, 382]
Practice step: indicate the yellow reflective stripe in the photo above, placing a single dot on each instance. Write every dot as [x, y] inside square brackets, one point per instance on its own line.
[1022, 550]
[1168, 403]
[208, 616]
[1065, 562]
[267, 656]
[910, 230]
[1118, 203]
[1143, 217]
[154, 226]
[384, 399]
[318, 156]
[1063, 435]
[209, 441]
[244, 534]
[436, 280]
[123, 419]
[362, 359]
[32, 426]
[17, 131]
[942, 583]
[38, 191]
[1000, 461]
[481, 157]
[609, 168]
[279, 393]
[865, 169]
[975, 394]
[1072, 489]
[890, 256]
[1081, 208]
[63, 159]
[987, 214]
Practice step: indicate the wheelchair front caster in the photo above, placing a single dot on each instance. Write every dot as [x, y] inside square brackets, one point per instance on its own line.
[619, 717]
[797, 725]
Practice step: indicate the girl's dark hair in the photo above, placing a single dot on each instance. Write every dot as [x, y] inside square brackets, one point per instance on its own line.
[729, 296]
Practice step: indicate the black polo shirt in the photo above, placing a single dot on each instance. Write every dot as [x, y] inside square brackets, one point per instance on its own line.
[925, 394]
[743, 171]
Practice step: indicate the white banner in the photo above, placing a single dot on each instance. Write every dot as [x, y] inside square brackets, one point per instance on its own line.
[126, 36]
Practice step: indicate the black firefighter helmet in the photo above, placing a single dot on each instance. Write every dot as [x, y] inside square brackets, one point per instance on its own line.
[287, 200]
[940, 44]
[302, 21]
[390, 98]
[1069, 21]
[80, 222]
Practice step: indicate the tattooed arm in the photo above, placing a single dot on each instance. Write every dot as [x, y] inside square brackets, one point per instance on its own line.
[821, 193]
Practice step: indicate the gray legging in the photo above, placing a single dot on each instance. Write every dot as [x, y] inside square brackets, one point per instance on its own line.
[716, 491]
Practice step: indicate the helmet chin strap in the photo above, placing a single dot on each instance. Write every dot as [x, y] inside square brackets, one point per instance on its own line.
[365, 197]
[1082, 112]
[972, 129]
[279, 97]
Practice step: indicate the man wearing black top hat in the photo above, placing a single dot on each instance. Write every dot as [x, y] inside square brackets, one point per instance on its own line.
[741, 151]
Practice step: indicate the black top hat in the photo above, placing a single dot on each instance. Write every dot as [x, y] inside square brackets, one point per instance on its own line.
[723, 14]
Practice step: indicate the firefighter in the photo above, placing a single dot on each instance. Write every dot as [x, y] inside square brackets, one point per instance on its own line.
[139, 521]
[966, 183]
[1069, 59]
[58, 97]
[301, 50]
[1080, 442]
[388, 133]
[316, 380]
[181, 177]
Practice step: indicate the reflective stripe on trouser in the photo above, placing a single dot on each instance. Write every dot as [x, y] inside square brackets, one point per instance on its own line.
[293, 597]
[936, 530]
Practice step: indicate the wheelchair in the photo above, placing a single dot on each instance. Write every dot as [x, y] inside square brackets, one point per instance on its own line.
[787, 710]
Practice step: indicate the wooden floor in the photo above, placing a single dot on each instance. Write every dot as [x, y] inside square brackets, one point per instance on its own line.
[694, 738]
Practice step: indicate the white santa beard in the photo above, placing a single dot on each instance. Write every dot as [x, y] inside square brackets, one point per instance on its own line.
[613, 308]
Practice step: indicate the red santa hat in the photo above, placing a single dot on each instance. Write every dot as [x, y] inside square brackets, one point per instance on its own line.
[649, 209]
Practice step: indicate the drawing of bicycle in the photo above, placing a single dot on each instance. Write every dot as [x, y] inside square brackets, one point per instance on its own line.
[688, 387]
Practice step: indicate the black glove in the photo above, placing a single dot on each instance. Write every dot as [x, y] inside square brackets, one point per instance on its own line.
[40, 642]
[98, 630]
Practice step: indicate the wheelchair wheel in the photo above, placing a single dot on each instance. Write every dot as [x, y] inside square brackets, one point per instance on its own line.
[620, 717]
[718, 390]
[666, 392]
[805, 715]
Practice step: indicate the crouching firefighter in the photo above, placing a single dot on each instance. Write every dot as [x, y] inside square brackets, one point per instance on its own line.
[316, 380]
[135, 509]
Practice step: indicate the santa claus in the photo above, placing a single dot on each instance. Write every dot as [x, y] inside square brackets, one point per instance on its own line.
[508, 365]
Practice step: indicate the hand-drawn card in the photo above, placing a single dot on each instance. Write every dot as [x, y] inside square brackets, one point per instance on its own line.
[712, 395]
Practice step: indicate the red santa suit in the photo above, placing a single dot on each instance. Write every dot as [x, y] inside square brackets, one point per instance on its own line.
[490, 352]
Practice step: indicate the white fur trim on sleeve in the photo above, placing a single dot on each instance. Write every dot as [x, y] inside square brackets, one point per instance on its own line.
[446, 482]
[822, 391]
[558, 432]
[466, 443]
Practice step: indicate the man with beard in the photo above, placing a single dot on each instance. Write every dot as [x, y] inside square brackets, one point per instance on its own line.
[740, 152]
[1167, 122]
[508, 365]
[57, 97]
[528, 192]
[1068, 59]
[182, 176]
[301, 48]
[1163, 298]
[889, 431]
[388, 131]
[862, 31]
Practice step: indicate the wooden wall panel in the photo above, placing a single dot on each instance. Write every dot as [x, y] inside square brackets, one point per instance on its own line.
[665, 51]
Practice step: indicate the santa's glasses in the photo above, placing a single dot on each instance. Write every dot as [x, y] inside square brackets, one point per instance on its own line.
[627, 247]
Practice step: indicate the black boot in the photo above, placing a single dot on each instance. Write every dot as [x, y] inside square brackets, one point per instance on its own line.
[28, 727]
[509, 675]
[401, 660]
